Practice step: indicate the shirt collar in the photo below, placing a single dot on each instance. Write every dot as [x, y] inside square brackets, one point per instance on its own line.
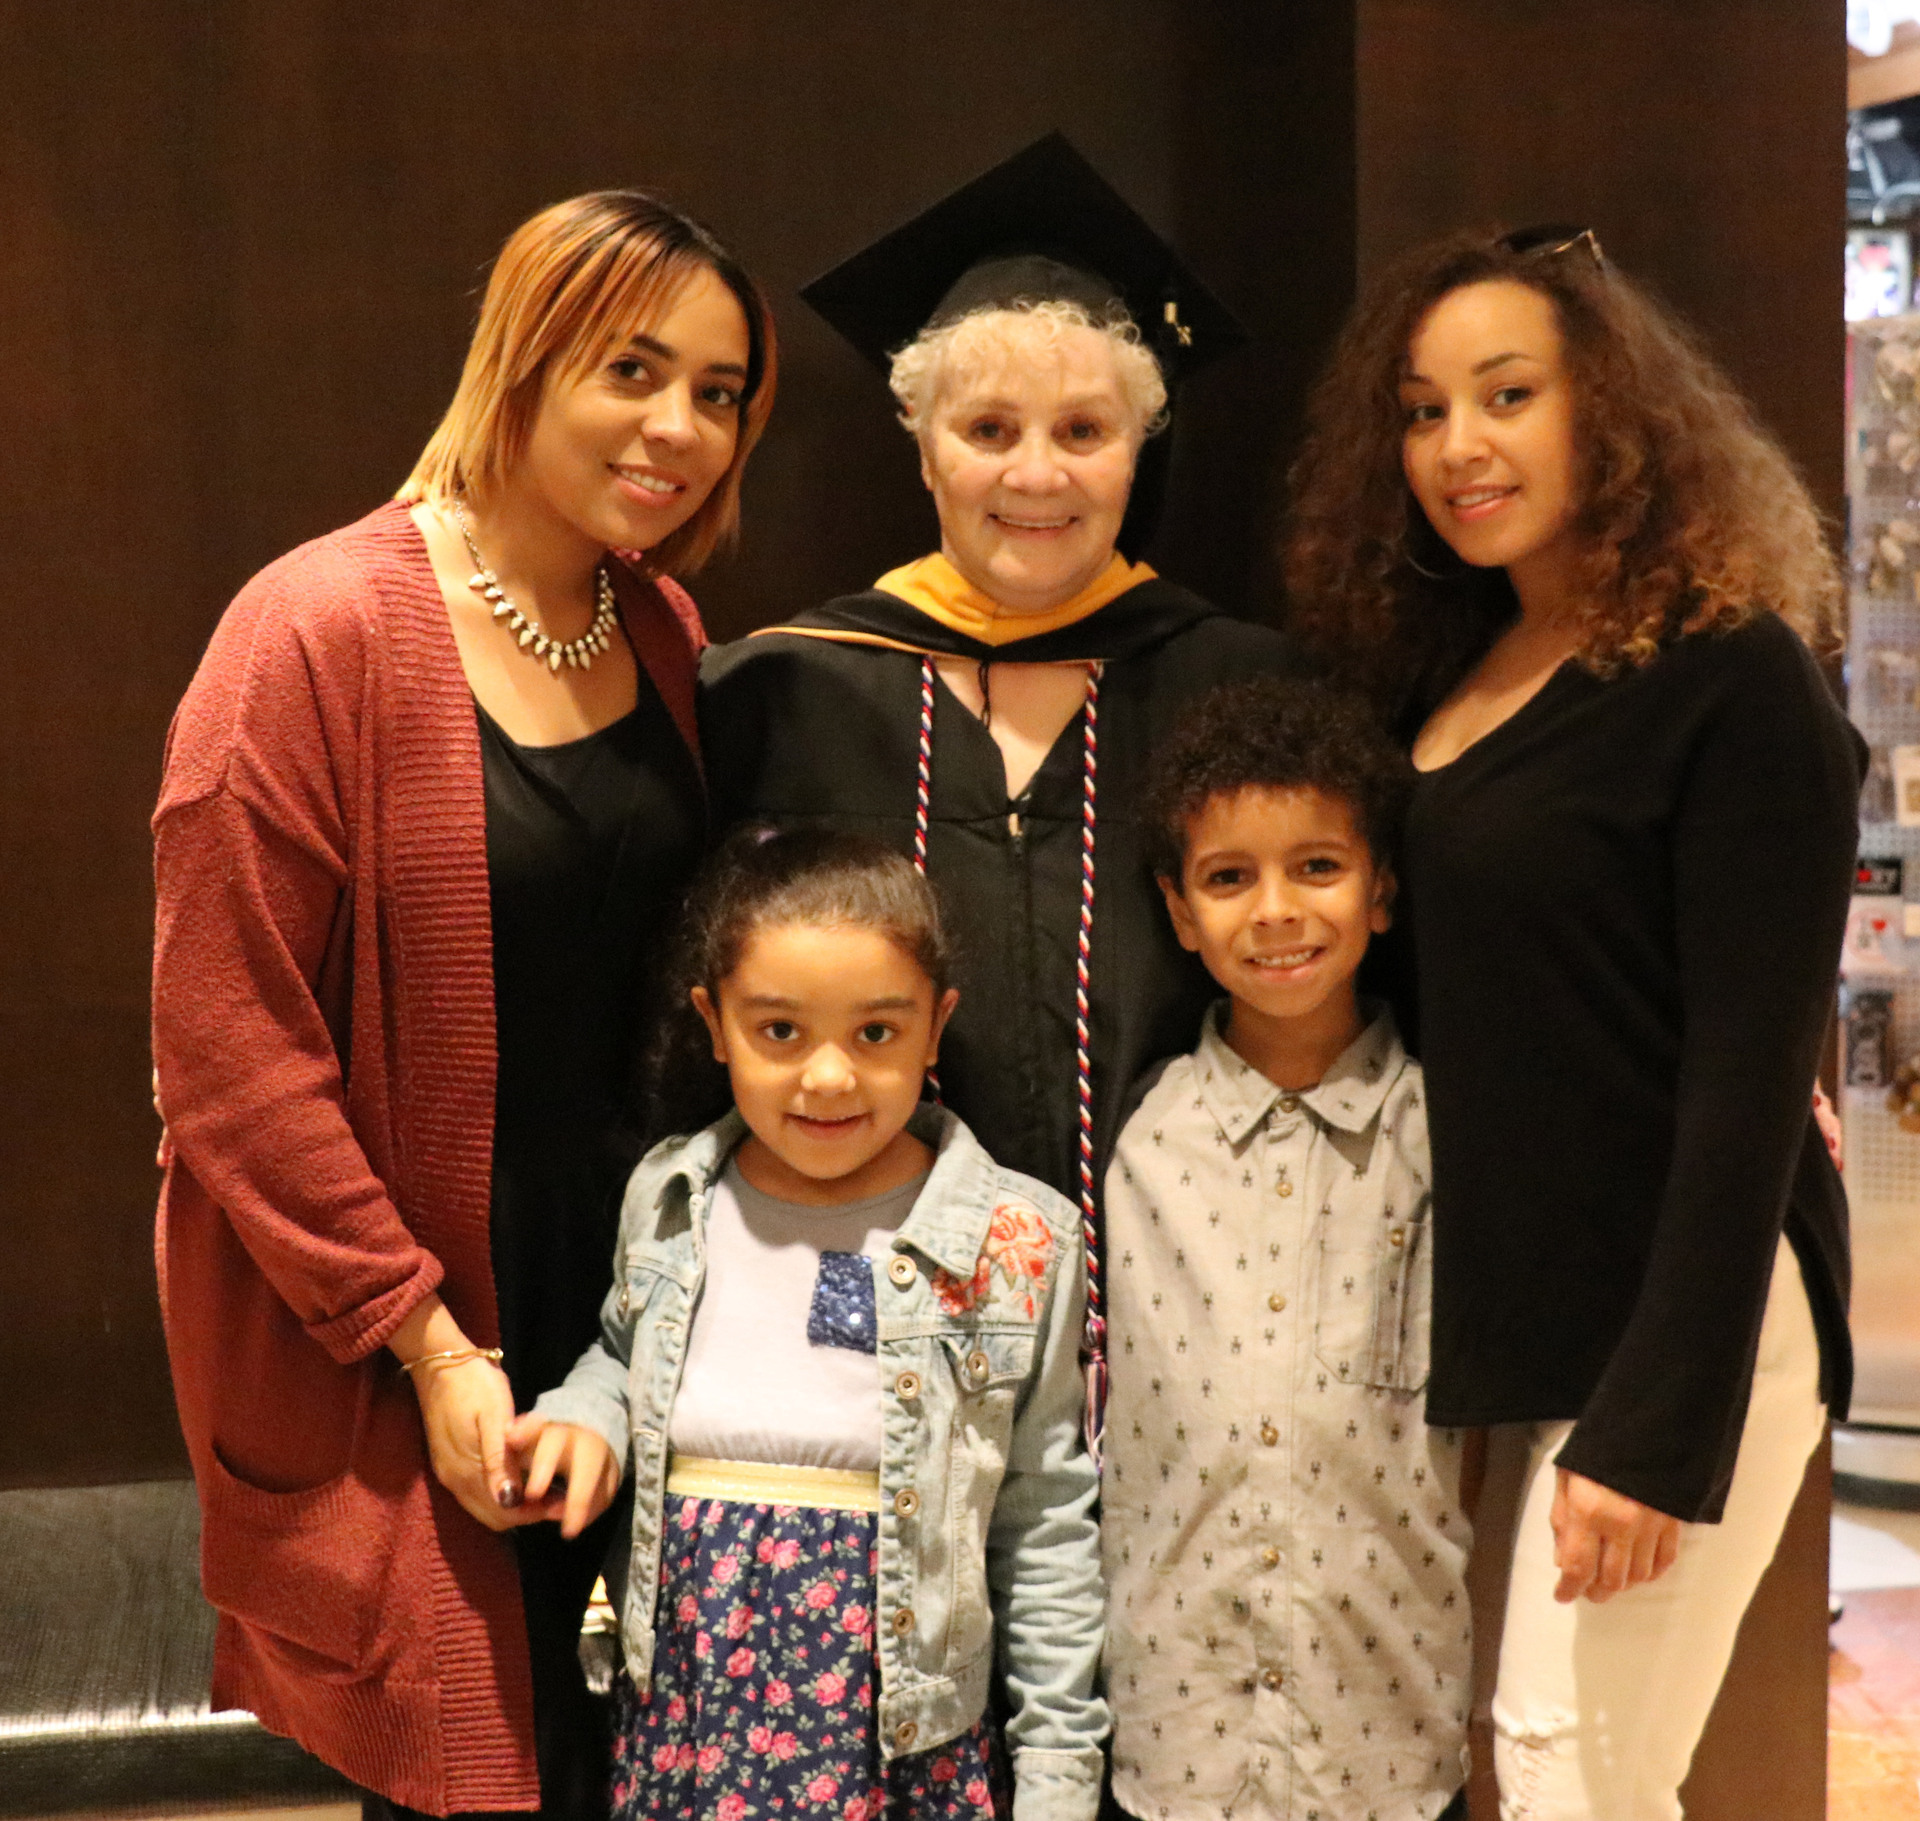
[1348, 1096]
[950, 1219]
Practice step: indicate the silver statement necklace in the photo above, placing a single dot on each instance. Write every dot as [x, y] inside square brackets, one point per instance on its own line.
[578, 653]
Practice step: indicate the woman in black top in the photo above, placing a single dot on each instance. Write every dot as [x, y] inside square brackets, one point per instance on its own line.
[590, 843]
[654, 386]
[1547, 533]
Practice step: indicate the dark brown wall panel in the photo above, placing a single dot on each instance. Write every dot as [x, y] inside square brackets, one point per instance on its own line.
[103, 554]
[1698, 137]
[240, 250]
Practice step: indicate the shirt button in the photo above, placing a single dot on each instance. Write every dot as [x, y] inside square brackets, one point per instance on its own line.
[1269, 1558]
[1284, 1188]
[1290, 1103]
[906, 1502]
[907, 1386]
[905, 1733]
[902, 1621]
[902, 1270]
[1276, 1302]
[978, 1367]
[1270, 1435]
[1398, 1237]
[1270, 1678]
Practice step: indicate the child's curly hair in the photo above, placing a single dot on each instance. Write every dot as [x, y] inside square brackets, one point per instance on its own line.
[1274, 733]
[1694, 518]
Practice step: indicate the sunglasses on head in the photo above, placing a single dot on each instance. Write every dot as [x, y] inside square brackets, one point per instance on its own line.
[1549, 238]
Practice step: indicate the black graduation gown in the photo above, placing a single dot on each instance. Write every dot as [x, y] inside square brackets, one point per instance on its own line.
[800, 729]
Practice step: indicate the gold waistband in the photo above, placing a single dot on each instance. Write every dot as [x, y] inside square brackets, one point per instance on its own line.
[759, 1483]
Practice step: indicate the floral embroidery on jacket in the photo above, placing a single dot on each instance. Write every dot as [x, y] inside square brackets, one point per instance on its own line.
[1020, 1243]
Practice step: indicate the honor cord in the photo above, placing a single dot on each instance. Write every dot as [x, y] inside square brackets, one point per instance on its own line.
[1094, 1341]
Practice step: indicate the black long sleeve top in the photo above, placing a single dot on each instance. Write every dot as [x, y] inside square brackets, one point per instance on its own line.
[1627, 903]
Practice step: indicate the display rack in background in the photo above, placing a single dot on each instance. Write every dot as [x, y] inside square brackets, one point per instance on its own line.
[1880, 1059]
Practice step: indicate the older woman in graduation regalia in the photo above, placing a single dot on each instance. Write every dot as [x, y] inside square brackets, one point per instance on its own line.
[990, 706]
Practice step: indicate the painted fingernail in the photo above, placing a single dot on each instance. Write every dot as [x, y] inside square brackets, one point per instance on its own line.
[509, 1496]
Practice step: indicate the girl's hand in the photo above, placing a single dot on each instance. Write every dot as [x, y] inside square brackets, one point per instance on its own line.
[564, 1451]
[1605, 1542]
[466, 1406]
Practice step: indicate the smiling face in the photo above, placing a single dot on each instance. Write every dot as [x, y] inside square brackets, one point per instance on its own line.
[826, 1035]
[628, 450]
[1489, 447]
[1030, 462]
[1279, 895]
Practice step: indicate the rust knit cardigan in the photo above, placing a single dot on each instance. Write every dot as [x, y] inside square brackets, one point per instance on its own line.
[323, 1030]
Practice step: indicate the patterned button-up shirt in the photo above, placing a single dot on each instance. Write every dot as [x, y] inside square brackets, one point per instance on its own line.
[1284, 1548]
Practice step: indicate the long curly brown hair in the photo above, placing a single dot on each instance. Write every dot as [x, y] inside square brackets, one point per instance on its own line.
[1694, 518]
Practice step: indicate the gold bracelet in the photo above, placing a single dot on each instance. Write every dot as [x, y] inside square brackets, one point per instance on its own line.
[454, 1356]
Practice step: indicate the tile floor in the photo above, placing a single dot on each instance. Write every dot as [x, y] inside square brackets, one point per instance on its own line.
[1873, 1706]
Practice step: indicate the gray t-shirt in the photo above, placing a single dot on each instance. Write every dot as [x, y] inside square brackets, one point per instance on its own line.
[780, 1364]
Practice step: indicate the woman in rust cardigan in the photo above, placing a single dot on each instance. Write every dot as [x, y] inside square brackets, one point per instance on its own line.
[428, 805]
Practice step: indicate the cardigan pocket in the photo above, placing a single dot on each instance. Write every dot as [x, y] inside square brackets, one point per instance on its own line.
[308, 1566]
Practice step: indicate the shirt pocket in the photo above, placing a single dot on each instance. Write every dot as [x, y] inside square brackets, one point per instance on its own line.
[989, 1369]
[647, 1267]
[988, 1372]
[1375, 1297]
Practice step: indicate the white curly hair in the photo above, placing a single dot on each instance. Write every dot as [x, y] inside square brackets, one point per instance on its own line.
[996, 334]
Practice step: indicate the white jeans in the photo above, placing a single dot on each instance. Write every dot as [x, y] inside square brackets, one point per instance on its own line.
[1598, 1707]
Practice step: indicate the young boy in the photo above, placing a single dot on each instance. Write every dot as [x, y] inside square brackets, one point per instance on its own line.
[1283, 1541]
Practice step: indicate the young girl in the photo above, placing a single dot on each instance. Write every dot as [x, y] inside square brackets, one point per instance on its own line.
[842, 1346]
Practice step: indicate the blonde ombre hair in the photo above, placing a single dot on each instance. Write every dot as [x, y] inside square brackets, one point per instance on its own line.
[570, 283]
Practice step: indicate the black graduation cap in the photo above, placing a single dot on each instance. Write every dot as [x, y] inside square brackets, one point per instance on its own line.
[1045, 224]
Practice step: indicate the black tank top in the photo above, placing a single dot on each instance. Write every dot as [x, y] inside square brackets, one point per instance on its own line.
[589, 849]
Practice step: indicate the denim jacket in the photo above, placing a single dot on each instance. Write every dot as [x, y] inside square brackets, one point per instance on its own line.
[986, 1492]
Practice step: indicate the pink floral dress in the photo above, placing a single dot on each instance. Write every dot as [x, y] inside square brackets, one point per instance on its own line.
[765, 1683]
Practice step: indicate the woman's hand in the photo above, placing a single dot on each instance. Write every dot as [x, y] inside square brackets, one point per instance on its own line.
[564, 1451]
[1605, 1542]
[1829, 1123]
[466, 1407]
